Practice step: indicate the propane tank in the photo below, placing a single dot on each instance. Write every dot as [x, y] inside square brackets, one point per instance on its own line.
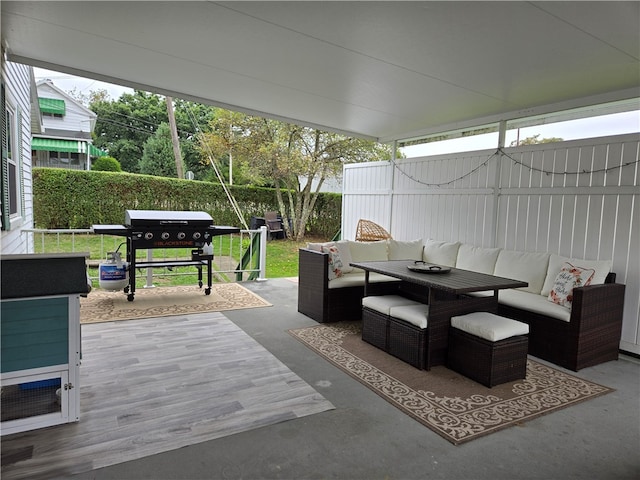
[113, 272]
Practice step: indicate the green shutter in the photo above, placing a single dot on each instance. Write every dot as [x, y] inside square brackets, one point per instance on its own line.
[4, 180]
[19, 163]
[52, 105]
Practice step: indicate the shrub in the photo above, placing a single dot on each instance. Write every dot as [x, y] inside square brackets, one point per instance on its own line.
[79, 199]
[106, 164]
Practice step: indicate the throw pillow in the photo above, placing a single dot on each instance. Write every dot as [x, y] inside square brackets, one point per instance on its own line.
[569, 278]
[336, 265]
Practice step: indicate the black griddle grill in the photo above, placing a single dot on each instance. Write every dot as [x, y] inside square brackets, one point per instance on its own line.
[149, 229]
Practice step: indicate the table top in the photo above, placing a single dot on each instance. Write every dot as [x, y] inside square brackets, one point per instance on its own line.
[456, 281]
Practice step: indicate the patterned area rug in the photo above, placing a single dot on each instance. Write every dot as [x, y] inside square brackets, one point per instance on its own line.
[450, 404]
[108, 306]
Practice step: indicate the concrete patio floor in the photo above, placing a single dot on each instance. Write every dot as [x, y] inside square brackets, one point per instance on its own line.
[367, 438]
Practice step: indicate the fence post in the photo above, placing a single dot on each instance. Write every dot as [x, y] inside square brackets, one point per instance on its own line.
[263, 254]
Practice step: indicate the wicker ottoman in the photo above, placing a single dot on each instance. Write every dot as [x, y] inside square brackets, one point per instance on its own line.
[408, 334]
[488, 348]
[375, 318]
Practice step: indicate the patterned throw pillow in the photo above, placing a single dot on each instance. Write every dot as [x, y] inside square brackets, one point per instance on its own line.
[569, 278]
[336, 266]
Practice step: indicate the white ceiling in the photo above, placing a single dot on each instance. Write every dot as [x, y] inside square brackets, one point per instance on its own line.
[381, 70]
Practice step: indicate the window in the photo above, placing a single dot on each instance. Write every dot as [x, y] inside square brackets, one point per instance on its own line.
[10, 161]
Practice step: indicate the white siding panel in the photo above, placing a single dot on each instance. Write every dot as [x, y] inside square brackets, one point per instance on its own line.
[17, 82]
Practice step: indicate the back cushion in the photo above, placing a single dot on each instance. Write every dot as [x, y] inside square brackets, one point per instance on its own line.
[405, 250]
[368, 251]
[477, 259]
[317, 247]
[440, 253]
[602, 268]
[524, 266]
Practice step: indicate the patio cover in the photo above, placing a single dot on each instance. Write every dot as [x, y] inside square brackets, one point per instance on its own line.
[378, 70]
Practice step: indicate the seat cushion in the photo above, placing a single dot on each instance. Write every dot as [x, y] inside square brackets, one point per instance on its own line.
[534, 303]
[417, 314]
[489, 326]
[356, 279]
[384, 303]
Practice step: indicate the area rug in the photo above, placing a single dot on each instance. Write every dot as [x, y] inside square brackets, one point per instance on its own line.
[153, 385]
[450, 404]
[108, 306]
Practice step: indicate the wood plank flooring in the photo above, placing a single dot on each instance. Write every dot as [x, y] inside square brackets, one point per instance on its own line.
[152, 385]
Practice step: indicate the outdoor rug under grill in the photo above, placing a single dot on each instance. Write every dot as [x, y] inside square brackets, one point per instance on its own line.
[448, 403]
[108, 306]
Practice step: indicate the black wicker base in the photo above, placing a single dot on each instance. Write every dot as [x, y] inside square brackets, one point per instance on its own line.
[408, 342]
[375, 328]
[488, 363]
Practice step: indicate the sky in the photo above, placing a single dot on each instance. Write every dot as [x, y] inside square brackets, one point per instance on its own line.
[627, 122]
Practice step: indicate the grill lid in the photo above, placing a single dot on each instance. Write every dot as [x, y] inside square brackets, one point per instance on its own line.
[150, 218]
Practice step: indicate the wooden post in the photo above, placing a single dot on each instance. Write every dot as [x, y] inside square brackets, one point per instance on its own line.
[174, 138]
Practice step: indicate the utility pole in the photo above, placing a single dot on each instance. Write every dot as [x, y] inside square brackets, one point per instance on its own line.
[174, 137]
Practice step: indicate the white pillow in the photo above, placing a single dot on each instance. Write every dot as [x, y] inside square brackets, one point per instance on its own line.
[602, 268]
[368, 251]
[524, 266]
[477, 259]
[569, 278]
[399, 250]
[440, 253]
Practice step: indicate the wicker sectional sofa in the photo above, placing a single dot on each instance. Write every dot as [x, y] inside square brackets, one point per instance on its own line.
[586, 334]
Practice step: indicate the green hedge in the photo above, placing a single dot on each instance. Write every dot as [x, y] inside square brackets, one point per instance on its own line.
[79, 199]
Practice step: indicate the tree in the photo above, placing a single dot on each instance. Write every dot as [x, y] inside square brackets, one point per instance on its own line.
[157, 155]
[534, 140]
[290, 158]
[124, 125]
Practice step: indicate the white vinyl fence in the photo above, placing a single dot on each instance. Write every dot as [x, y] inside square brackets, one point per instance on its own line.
[577, 199]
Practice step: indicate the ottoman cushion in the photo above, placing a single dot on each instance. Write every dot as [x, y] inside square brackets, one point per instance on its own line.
[414, 314]
[383, 303]
[489, 326]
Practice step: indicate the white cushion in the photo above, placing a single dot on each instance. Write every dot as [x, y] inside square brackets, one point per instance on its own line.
[440, 253]
[569, 278]
[368, 251]
[602, 268]
[534, 303]
[489, 326]
[417, 314]
[356, 279]
[317, 247]
[383, 303]
[399, 250]
[524, 266]
[477, 259]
